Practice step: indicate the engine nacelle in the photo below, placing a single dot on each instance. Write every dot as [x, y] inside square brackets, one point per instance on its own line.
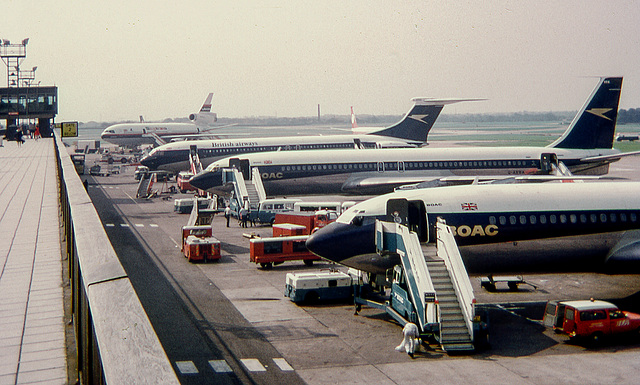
[204, 118]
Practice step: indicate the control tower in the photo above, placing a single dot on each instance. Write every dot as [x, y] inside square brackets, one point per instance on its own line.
[24, 100]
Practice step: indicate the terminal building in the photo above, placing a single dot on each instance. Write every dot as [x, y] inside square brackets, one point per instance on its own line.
[26, 104]
[24, 101]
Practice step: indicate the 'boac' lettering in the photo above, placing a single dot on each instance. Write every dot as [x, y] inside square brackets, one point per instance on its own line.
[273, 175]
[475, 231]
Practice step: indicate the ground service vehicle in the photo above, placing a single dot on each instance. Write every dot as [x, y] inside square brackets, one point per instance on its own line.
[274, 251]
[311, 207]
[185, 205]
[268, 209]
[201, 249]
[78, 162]
[198, 243]
[141, 172]
[321, 285]
[312, 221]
[182, 180]
[589, 319]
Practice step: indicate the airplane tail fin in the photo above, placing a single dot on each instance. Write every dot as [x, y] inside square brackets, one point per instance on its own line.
[206, 106]
[205, 116]
[417, 123]
[595, 124]
[354, 123]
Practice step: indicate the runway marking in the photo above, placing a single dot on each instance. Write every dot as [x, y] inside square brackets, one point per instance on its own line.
[139, 225]
[153, 225]
[253, 365]
[124, 225]
[220, 366]
[187, 367]
[110, 225]
[283, 364]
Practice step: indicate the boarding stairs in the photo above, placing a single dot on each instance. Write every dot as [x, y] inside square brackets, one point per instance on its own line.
[454, 334]
[251, 190]
[145, 185]
[194, 161]
[437, 281]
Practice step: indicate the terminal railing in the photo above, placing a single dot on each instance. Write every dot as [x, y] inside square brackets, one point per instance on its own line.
[115, 341]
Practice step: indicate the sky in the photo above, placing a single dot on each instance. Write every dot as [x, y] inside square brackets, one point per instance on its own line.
[115, 60]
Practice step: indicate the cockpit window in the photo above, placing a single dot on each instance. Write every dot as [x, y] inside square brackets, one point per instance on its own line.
[212, 167]
[348, 215]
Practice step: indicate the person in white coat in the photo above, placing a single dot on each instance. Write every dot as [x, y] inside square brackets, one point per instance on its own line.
[411, 334]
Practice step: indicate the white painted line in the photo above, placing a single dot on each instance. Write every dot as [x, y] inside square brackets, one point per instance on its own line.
[139, 225]
[187, 367]
[220, 366]
[110, 225]
[124, 225]
[153, 225]
[253, 365]
[283, 364]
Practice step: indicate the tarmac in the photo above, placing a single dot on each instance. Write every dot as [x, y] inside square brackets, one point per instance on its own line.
[32, 321]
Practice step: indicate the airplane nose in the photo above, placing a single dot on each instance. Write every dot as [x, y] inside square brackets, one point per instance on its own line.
[149, 161]
[339, 241]
[207, 180]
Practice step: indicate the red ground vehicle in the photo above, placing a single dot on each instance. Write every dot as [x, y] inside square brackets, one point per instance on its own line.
[312, 221]
[182, 180]
[198, 244]
[589, 319]
[274, 251]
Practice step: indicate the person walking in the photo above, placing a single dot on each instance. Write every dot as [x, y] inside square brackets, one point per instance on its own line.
[227, 214]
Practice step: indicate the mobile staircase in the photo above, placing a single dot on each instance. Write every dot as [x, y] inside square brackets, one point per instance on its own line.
[245, 190]
[431, 288]
[145, 185]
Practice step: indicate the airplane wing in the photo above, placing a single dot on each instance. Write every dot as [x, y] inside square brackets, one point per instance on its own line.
[610, 158]
[626, 254]
[219, 127]
[365, 184]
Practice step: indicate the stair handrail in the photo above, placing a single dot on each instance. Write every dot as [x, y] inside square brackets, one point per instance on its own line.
[240, 188]
[394, 237]
[256, 178]
[447, 249]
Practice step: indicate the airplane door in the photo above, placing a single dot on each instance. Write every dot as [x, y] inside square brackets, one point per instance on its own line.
[241, 165]
[547, 161]
[380, 166]
[398, 211]
[400, 166]
[412, 214]
[193, 149]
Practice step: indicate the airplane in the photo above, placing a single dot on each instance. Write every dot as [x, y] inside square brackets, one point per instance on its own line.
[585, 148]
[410, 131]
[514, 228]
[137, 134]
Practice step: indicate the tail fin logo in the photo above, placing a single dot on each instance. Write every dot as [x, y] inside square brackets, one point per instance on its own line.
[600, 112]
[419, 118]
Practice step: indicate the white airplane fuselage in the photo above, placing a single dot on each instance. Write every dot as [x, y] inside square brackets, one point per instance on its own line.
[516, 228]
[137, 134]
[382, 170]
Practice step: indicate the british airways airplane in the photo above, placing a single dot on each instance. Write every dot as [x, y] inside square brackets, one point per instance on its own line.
[137, 134]
[514, 228]
[585, 148]
[411, 131]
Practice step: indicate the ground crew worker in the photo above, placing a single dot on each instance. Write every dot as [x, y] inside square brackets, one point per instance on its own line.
[227, 214]
[411, 334]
